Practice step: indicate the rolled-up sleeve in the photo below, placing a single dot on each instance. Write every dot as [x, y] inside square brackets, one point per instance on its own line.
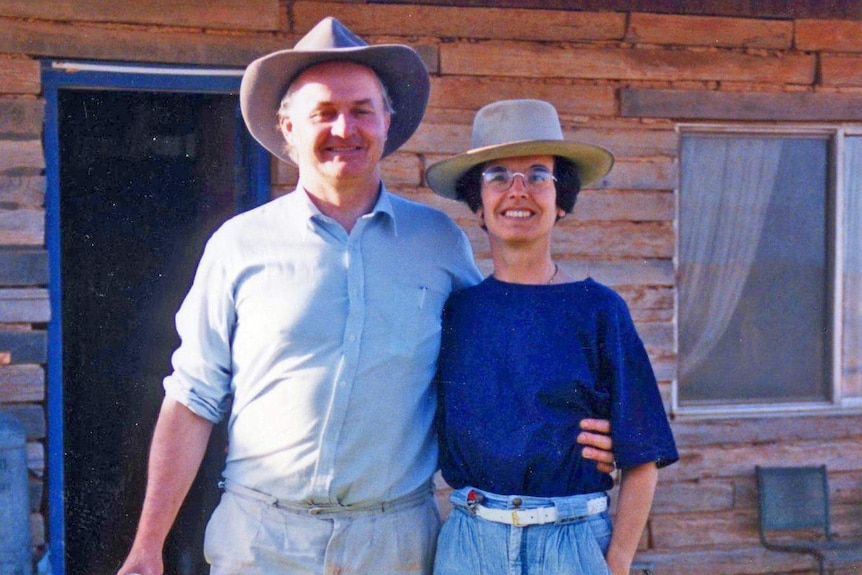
[201, 378]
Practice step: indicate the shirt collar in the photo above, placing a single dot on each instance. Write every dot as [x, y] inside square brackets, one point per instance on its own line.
[306, 212]
[384, 206]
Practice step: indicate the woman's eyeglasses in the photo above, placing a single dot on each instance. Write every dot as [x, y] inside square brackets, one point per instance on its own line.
[500, 179]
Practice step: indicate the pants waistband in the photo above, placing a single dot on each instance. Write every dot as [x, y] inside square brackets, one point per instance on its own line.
[523, 510]
[411, 499]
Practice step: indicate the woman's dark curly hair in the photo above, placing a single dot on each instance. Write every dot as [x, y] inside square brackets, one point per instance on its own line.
[469, 185]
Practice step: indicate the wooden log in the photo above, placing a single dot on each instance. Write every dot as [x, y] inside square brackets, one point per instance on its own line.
[231, 14]
[24, 306]
[629, 205]
[18, 75]
[841, 71]
[738, 460]
[740, 106]
[23, 266]
[21, 383]
[22, 191]
[836, 35]
[25, 227]
[496, 58]
[25, 346]
[402, 169]
[472, 92]
[685, 30]
[17, 154]
[21, 117]
[59, 40]
[641, 175]
[465, 22]
[758, 430]
[31, 417]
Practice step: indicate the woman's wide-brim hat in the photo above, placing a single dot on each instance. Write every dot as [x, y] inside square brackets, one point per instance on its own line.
[267, 79]
[511, 128]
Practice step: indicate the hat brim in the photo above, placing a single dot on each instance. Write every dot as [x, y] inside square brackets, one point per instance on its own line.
[399, 68]
[593, 162]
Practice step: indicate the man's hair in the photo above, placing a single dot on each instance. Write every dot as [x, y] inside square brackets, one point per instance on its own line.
[287, 99]
[469, 185]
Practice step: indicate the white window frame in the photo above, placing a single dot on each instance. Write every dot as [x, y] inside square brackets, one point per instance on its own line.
[836, 135]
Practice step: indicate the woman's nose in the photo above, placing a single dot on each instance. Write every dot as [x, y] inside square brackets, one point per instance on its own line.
[519, 184]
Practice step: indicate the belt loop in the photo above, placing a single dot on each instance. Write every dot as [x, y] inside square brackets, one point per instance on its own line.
[244, 491]
[474, 498]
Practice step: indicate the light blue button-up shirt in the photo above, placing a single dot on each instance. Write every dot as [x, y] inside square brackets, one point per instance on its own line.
[327, 344]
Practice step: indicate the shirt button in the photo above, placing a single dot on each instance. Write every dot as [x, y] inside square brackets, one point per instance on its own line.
[517, 502]
[351, 338]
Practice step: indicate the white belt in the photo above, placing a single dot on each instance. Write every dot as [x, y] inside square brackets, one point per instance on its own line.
[537, 516]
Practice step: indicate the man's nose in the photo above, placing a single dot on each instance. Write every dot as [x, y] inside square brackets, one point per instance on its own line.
[342, 126]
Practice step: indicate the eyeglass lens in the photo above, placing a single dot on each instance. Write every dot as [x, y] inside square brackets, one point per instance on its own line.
[502, 178]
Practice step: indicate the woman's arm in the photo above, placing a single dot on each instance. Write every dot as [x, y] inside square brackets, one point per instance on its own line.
[637, 488]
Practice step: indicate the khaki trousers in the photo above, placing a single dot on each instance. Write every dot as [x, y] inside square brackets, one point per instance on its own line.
[252, 534]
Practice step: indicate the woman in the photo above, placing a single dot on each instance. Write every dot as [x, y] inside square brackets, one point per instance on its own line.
[526, 355]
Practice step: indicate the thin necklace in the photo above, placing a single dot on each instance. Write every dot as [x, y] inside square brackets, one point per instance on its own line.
[556, 269]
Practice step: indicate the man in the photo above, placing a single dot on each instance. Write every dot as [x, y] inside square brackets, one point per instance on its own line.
[313, 325]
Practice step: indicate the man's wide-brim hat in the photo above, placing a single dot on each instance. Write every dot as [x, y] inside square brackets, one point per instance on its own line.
[267, 79]
[511, 128]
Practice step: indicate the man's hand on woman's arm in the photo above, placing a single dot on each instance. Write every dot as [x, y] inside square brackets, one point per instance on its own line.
[596, 439]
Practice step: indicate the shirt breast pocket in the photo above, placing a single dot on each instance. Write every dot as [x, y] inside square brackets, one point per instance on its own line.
[412, 318]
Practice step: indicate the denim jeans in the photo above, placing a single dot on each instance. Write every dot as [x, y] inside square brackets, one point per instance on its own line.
[251, 534]
[470, 545]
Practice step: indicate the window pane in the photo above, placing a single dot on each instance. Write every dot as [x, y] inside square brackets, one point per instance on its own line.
[852, 305]
[753, 298]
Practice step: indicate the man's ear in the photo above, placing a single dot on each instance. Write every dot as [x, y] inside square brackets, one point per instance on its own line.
[387, 117]
[286, 127]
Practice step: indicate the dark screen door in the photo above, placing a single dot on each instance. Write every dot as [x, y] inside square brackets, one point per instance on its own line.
[144, 179]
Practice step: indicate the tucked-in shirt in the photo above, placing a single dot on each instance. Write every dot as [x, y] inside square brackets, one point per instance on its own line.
[521, 365]
[320, 346]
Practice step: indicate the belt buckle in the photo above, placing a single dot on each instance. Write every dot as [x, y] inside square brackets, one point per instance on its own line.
[515, 518]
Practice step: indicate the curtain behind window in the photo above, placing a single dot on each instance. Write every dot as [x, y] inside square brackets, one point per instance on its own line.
[753, 275]
[723, 220]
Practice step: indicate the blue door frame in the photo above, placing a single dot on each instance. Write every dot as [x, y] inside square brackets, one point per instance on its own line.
[252, 157]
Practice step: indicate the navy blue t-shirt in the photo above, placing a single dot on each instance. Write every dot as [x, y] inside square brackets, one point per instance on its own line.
[521, 365]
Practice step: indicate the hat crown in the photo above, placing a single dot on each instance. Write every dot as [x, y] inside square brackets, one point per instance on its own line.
[511, 121]
[329, 34]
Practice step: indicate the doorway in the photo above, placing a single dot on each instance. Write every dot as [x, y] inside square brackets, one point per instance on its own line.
[143, 179]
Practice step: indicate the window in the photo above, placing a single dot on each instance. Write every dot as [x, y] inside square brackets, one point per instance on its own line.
[851, 308]
[768, 270]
